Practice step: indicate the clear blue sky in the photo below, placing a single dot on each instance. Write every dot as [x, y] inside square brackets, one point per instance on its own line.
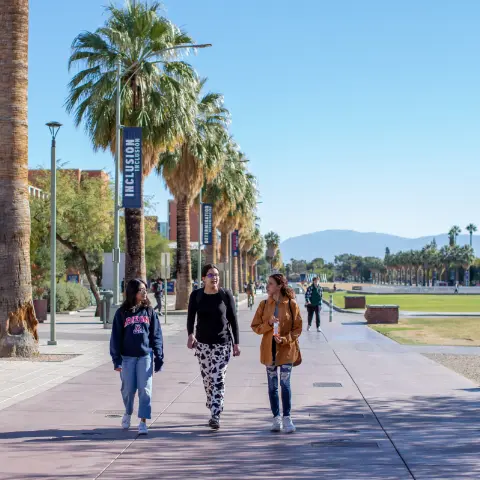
[359, 115]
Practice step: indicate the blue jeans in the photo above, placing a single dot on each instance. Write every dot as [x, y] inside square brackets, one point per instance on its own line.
[272, 375]
[136, 375]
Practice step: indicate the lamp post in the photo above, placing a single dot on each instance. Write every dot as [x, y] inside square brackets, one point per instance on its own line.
[199, 269]
[118, 129]
[54, 127]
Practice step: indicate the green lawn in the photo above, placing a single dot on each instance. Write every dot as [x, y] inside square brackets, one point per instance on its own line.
[463, 331]
[418, 303]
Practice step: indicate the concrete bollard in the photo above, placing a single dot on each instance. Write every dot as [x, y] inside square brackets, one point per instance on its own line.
[331, 308]
[236, 304]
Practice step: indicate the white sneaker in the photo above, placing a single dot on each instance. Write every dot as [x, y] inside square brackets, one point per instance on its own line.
[308, 328]
[277, 424]
[288, 426]
[142, 428]
[319, 329]
[126, 421]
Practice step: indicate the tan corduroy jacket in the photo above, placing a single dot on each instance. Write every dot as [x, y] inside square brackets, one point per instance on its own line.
[287, 350]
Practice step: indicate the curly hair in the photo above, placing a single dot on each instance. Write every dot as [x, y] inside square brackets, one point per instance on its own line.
[285, 290]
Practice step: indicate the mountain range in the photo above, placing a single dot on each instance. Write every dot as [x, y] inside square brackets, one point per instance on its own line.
[328, 243]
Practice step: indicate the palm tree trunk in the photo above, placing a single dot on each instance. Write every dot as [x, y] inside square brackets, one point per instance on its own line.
[224, 247]
[184, 261]
[18, 323]
[247, 271]
[235, 275]
[240, 273]
[135, 243]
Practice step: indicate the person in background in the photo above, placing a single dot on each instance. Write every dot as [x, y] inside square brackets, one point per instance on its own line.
[217, 329]
[279, 322]
[136, 348]
[157, 289]
[195, 285]
[313, 302]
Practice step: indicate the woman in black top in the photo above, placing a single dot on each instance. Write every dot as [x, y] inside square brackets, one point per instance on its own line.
[217, 330]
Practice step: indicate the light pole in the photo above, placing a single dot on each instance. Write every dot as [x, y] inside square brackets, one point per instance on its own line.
[118, 129]
[199, 269]
[54, 127]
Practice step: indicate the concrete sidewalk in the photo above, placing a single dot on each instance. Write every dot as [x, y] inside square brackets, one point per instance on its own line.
[365, 408]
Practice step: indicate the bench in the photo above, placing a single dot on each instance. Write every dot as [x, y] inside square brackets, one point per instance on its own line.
[382, 314]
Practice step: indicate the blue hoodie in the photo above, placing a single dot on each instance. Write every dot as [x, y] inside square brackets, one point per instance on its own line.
[135, 334]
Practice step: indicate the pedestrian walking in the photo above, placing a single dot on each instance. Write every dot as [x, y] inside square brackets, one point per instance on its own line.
[157, 288]
[136, 347]
[278, 320]
[313, 302]
[216, 331]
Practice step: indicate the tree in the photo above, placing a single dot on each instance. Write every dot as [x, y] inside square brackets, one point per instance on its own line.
[155, 245]
[453, 233]
[185, 170]
[471, 229]
[272, 241]
[157, 94]
[18, 324]
[84, 218]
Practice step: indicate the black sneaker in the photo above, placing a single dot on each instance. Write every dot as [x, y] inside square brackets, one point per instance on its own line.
[214, 423]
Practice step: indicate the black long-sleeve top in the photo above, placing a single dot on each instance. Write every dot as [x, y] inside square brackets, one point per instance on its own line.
[215, 313]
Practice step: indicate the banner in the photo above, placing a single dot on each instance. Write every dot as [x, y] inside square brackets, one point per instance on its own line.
[235, 246]
[132, 167]
[207, 210]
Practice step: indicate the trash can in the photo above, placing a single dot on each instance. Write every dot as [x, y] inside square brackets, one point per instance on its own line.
[108, 297]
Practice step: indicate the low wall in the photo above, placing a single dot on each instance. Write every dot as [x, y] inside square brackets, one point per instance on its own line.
[354, 302]
[381, 314]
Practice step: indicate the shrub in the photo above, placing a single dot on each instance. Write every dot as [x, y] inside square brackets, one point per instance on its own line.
[71, 297]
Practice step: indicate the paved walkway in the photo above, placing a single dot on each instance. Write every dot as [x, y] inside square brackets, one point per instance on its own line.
[365, 408]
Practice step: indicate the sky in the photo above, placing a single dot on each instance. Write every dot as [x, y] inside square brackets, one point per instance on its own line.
[361, 115]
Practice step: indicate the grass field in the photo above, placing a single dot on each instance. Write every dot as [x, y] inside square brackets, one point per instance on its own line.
[434, 331]
[418, 303]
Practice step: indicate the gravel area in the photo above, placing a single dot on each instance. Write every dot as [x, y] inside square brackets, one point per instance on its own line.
[41, 358]
[466, 365]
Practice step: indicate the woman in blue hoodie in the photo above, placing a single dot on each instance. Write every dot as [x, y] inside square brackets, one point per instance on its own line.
[136, 347]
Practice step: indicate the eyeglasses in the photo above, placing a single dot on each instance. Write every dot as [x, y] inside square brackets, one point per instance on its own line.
[213, 275]
[142, 290]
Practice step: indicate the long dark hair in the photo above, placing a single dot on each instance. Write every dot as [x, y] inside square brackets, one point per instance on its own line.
[133, 287]
[285, 290]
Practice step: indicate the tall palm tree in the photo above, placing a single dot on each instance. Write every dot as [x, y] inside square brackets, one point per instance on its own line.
[453, 233]
[185, 170]
[157, 94]
[466, 257]
[224, 192]
[18, 324]
[471, 229]
[272, 241]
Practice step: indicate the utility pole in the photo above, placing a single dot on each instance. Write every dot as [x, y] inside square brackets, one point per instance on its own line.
[199, 269]
[116, 237]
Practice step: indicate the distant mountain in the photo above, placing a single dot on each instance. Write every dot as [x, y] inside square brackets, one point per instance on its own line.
[328, 243]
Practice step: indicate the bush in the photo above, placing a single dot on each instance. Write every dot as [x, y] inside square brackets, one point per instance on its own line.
[71, 297]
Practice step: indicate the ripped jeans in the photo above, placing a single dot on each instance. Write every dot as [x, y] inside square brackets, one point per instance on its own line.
[272, 374]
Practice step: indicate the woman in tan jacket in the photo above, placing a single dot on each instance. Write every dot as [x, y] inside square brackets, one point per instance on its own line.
[278, 320]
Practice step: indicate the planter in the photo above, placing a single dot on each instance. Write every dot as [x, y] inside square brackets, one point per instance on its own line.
[381, 314]
[40, 307]
[354, 302]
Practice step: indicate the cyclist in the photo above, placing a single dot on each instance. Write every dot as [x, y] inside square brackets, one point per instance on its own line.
[250, 293]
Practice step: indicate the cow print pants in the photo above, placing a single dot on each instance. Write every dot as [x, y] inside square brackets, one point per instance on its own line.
[213, 360]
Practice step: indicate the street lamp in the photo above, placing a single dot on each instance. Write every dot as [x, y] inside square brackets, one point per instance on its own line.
[54, 127]
[118, 129]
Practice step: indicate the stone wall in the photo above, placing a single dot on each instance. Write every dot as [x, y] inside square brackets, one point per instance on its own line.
[354, 302]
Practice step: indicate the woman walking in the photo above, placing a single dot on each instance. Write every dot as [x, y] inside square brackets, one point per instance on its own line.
[136, 347]
[217, 328]
[278, 320]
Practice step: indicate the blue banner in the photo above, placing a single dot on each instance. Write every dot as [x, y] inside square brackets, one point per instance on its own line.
[132, 167]
[235, 245]
[207, 227]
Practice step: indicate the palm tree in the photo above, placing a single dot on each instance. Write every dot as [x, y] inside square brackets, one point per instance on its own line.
[157, 94]
[466, 257]
[471, 229]
[185, 170]
[453, 233]
[272, 241]
[18, 324]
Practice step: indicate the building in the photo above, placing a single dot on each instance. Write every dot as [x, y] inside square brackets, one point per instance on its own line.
[36, 192]
[34, 175]
[163, 229]
[172, 223]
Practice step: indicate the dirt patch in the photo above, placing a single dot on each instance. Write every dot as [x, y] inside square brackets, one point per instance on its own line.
[41, 358]
[466, 365]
